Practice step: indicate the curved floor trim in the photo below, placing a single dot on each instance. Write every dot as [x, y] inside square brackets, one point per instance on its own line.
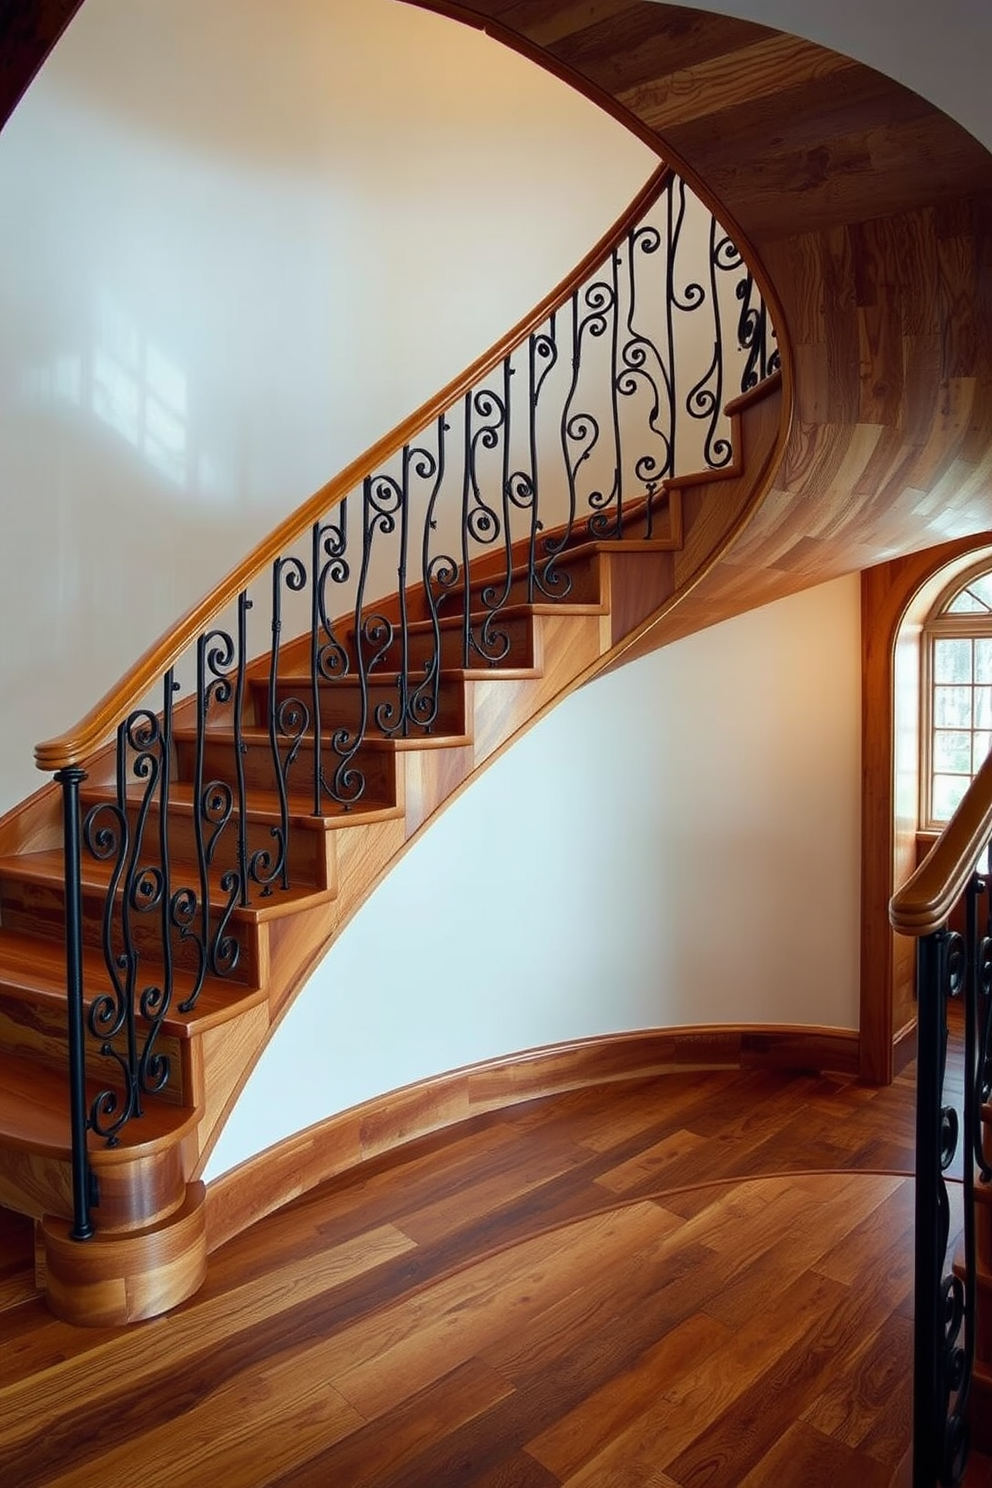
[387, 1123]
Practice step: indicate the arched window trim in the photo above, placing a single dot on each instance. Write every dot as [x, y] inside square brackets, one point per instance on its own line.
[972, 625]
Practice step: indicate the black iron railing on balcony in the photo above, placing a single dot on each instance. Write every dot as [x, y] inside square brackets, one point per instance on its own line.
[413, 569]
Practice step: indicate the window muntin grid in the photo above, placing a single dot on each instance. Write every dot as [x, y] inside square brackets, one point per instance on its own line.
[956, 695]
[961, 714]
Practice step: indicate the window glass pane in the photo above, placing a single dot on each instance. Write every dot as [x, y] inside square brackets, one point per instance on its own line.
[952, 707]
[983, 708]
[966, 603]
[947, 793]
[983, 659]
[952, 661]
[980, 745]
[981, 588]
[952, 751]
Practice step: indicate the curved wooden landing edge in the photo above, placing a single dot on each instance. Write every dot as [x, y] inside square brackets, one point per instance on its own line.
[385, 1124]
[109, 1281]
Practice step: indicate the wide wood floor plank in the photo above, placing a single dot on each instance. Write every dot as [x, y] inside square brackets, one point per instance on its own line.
[645, 1284]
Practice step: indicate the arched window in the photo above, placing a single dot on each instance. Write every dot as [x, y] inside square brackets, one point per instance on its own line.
[957, 693]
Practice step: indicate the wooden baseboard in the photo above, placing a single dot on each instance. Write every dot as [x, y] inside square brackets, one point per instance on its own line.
[281, 1173]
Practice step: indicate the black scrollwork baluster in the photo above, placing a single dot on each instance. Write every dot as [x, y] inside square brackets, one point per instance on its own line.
[440, 575]
[754, 333]
[705, 397]
[944, 1308]
[982, 1078]
[525, 486]
[288, 724]
[423, 698]
[600, 501]
[156, 997]
[643, 372]
[491, 643]
[485, 421]
[329, 661]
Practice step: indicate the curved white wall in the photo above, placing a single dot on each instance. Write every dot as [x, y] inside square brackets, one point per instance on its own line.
[225, 267]
[238, 242]
[676, 843]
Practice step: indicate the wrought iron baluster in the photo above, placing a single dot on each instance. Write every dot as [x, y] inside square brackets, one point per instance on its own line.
[83, 1195]
[643, 371]
[329, 660]
[493, 644]
[424, 699]
[944, 1317]
[440, 573]
[600, 523]
[155, 999]
[480, 523]
[542, 356]
[288, 723]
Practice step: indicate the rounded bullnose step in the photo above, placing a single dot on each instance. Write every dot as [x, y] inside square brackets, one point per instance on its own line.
[112, 1280]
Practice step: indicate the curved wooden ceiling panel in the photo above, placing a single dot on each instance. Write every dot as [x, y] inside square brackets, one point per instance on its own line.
[871, 212]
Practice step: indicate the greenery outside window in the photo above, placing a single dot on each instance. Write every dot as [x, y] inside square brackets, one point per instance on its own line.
[957, 693]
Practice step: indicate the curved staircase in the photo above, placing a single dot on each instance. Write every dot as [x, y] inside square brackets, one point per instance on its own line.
[225, 810]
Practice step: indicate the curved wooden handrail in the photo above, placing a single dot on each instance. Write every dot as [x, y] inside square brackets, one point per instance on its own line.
[80, 741]
[925, 901]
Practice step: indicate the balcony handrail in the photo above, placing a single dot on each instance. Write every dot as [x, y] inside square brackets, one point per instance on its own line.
[922, 905]
[71, 748]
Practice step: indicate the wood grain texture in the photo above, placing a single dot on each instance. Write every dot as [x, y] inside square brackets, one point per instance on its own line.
[869, 212]
[888, 845]
[545, 1296]
[255, 1188]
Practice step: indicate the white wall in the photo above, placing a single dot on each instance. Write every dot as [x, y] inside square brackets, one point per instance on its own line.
[676, 843]
[267, 234]
[238, 242]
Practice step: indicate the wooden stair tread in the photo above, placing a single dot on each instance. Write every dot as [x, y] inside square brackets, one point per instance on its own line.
[254, 734]
[486, 673]
[518, 610]
[34, 968]
[34, 1115]
[263, 806]
[47, 868]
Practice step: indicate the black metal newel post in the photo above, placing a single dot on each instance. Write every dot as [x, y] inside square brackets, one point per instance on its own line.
[70, 779]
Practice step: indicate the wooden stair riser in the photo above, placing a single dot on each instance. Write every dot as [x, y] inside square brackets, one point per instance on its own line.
[983, 1222]
[341, 704]
[17, 1273]
[376, 765]
[35, 1030]
[39, 909]
[310, 852]
[980, 1409]
[115, 1280]
[422, 644]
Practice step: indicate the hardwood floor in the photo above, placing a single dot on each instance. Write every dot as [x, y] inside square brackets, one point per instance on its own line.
[700, 1280]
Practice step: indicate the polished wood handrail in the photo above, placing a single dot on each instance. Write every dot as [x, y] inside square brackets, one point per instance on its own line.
[925, 901]
[77, 743]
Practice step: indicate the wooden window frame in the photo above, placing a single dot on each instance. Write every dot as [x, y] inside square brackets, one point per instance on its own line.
[941, 626]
